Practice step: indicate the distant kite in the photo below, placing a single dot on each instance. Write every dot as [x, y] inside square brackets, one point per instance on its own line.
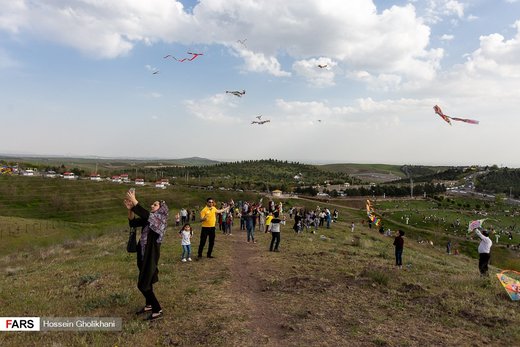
[195, 55]
[155, 72]
[322, 66]
[260, 122]
[259, 117]
[236, 92]
[448, 119]
[242, 42]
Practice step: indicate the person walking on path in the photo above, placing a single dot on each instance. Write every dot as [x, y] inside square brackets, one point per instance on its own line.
[399, 246]
[484, 251]
[153, 224]
[208, 216]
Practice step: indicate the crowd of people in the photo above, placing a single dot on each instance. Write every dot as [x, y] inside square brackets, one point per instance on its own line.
[251, 217]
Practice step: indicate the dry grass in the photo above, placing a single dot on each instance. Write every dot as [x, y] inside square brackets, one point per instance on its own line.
[342, 291]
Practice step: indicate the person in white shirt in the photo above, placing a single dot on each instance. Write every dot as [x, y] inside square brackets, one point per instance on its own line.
[275, 229]
[186, 234]
[484, 251]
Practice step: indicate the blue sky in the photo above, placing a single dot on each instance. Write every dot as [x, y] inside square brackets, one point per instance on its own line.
[76, 79]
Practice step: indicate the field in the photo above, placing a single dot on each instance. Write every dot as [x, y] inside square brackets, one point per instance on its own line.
[376, 173]
[335, 287]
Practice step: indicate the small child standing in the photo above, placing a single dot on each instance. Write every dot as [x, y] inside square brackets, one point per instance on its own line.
[186, 234]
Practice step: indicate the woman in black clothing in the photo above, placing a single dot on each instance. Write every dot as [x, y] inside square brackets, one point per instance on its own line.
[153, 225]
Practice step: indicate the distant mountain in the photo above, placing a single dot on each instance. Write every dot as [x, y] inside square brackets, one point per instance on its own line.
[90, 161]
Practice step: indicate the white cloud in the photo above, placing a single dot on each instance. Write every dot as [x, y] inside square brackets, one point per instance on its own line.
[436, 10]
[447, 37]
[381, 82]
[352, 33]
[364, 111]
[216, 108]
[496, 56]
[12, 15]
[103, 29]
[316, 76]
[258, 62]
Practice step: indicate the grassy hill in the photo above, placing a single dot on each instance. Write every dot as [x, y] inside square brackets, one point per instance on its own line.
[330, 288]
[377, 173]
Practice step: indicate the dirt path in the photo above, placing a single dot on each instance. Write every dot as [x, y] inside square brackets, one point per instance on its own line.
[265, 322]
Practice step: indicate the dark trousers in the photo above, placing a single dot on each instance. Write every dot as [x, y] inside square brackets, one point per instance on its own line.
[204, 233]
[483, 262]
[275, 240]
[151, 300]
[399, 256]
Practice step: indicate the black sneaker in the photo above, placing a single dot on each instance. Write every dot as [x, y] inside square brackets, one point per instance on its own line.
[147, 308]
[154, 316]
[210, 256]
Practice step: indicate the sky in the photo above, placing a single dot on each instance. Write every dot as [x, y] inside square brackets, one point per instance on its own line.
[77, 79]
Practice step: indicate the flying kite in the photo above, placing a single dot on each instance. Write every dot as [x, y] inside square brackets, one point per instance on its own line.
[322, 66]
[155, 72]
[242, 42]
[260, 122]
[511, 285]
[195, 55]
[259, 117]
[371, 214]
[448, 119]
[236, 92]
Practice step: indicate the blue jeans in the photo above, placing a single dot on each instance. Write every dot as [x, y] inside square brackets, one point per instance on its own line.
[186, 251]
[250, 230]
[399, 256]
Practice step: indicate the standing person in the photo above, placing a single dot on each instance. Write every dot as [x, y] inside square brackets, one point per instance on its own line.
[186, 233]
[184, 215]
[484, 251]
[250, 226]
[261, 219]
[177, 219]
[448, 247]
[208, 216]
[352, 226]
[275, 229]
[268, 220]
[153, 226]
[399, 246]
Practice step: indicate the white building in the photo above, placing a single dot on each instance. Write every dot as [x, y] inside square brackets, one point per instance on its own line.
[69, 176]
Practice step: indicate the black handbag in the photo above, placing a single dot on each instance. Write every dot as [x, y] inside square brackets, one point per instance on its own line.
[131, 246]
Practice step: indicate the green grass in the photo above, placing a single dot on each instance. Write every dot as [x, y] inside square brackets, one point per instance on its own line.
[323, 292]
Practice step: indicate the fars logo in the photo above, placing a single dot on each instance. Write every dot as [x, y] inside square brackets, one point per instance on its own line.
[19, 323]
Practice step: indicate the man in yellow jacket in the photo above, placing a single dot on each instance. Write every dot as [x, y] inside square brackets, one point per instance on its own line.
[208, 216]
